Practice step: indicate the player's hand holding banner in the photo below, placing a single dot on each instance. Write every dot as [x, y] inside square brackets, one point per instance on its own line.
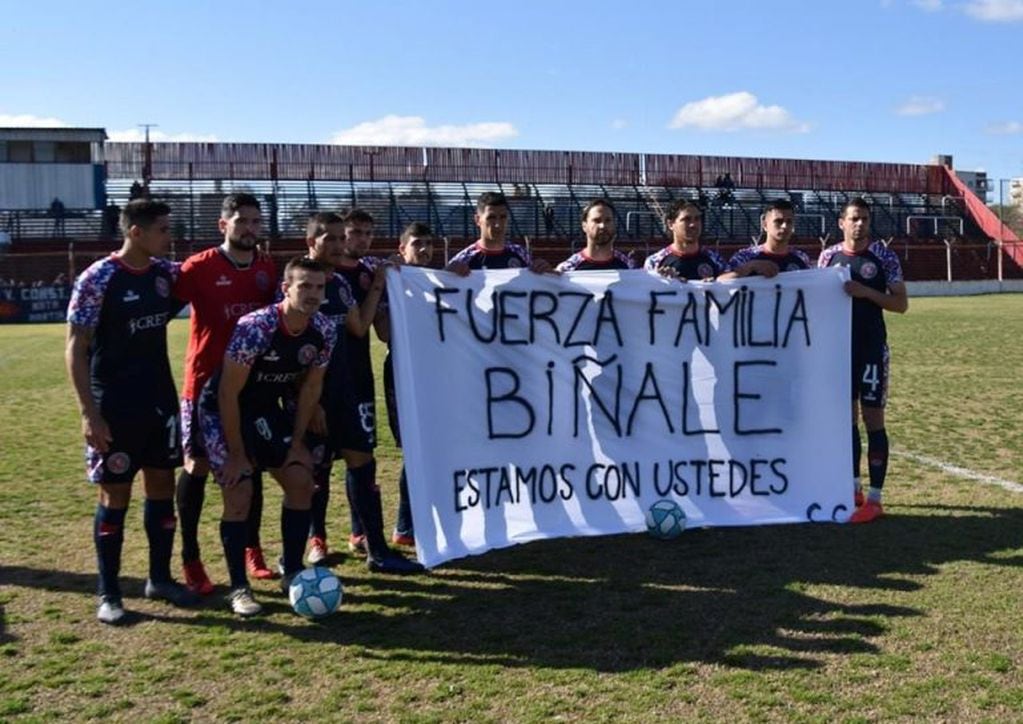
[542, 406]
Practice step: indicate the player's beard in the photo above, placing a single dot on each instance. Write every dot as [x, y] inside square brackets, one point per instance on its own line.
[244, 243]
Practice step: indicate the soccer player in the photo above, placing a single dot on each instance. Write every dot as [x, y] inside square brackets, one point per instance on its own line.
[876, 286]
[117, 360]
[222, 284]
[415, 246]
[598, 225]
[357, 412]
[778, 222]
[491, 251]
[684, 258]
[248, 425]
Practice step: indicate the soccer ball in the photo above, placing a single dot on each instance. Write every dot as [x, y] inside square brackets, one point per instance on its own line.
[315, 592]
[665, 520]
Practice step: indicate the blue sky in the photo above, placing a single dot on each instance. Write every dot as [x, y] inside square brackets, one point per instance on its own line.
[886, 80]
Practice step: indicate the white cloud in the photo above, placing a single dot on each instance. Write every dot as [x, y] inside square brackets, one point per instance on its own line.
[137, 135]
[1008, 128]
[930, 6]
[735, 112]
[996, 11]
[921, 106]
[619, 123]
[27, 120]
[395, 130]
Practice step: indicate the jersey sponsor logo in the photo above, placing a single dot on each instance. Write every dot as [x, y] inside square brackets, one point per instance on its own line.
[150, 321]
[223, 281]
[131, 296]
[162, 287]
[277, 378]
[272, 356]
[868, 270]
[262, 280]
[238, 309]
[705, 270]
[118, 463]
[306, 354]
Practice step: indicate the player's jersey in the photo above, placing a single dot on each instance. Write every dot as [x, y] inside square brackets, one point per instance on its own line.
[581, 262]
[795, 260]
[128, 310]
[337, 302]
[276, 358]
[877, 267]
[700, 264]
[512, 256]
[358, 368]
[220, 293]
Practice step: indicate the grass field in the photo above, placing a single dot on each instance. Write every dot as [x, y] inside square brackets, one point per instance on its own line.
[916, 616]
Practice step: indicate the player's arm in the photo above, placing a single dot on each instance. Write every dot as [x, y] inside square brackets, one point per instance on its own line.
[306, 406]
[764, 267]
[76, 357]
[232, 380]
[361, 317]
[895, 299]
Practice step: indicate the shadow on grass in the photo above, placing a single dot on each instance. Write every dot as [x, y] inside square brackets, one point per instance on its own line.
[734, 596]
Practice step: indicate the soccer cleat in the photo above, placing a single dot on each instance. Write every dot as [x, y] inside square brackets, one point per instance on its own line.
[870, 511]
[242, 602]
[110, 610]
[393, 563]
[172, 592]
[255, 564]
[357, 545]
[858, 498]
[401, 539]
[317, 550]
[196, 579]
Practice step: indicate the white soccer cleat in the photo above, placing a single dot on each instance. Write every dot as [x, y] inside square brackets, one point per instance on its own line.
[242, 602]
[110, 610]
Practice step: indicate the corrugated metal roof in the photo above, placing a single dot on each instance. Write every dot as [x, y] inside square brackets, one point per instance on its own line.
[84, 135]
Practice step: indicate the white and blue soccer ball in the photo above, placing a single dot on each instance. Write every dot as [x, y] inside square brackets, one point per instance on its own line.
[665, 520]
[315, 592]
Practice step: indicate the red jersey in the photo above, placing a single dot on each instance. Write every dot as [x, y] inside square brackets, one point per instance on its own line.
[220, 293]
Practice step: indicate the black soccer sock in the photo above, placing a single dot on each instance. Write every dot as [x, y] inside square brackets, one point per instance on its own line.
[190, 494]
[255, 519]
[108, 534]
[877, 459]
[857, 451]
[294, 528]
[318, 510]
[350, 494]
[158, 519]
[403, 524]
[366, 503]
[233, 535]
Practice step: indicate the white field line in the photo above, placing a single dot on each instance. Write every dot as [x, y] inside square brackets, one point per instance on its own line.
[960, 472]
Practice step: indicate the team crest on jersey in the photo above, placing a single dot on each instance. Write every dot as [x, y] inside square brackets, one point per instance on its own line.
[868, 270]
[262, 280]
[514, 263]
[306, 354]
[118, 463]
[705, 270]
[162, 287]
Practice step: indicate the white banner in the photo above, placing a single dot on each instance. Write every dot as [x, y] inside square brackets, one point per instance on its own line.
[535, 406]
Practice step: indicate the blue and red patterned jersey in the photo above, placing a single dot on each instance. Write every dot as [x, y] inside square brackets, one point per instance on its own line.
[511, 256]
[794, 260]
[127, 310]
[700, 264]
[276, 358]
[877, 267]
[581, 262]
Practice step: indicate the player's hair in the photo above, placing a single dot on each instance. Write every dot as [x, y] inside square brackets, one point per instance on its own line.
[317, 224]
[141, 212]
[306, 263]
[858, 201]
[416, 228]
[233, 202]
[594, 203]
[490, 198]
[680, 205]
[358, 216]
[779, 205]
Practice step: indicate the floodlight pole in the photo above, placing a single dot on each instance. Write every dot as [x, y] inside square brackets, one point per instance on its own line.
[147, 165]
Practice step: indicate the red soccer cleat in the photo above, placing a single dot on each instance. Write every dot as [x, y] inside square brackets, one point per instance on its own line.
[869, 512]
[318, 551]
[400, 539]
[256, 566]
[357, 545]
[196, 579]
